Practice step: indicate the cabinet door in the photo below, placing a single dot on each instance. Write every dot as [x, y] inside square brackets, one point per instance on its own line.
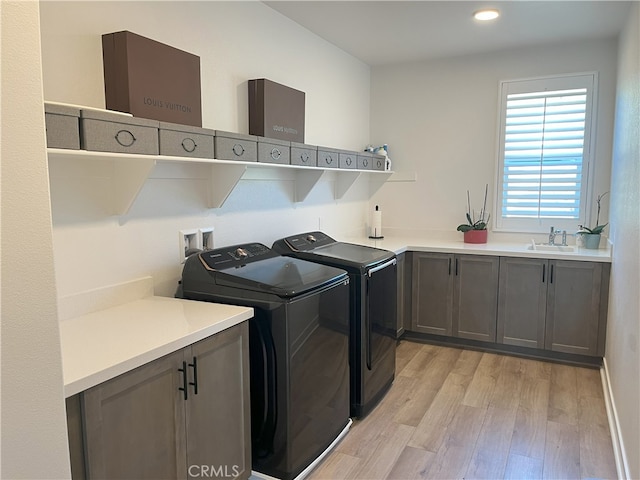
[218, 416]
[475, 297]
[522, 301]
[432, 293]
[135, 423]
[573, 307]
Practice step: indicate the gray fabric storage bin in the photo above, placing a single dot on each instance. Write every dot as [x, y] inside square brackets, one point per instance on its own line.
[62, 123]
[186, 141]
[347, 160]
[271, 150]
[111, 132]
[328, 157]
[379, 162]
[302, 154]
[236, 146]
[364, 161]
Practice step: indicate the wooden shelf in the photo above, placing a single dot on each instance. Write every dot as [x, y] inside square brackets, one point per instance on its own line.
[129, 173]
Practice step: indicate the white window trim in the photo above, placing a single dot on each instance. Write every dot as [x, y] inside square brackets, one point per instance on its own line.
[543, 225]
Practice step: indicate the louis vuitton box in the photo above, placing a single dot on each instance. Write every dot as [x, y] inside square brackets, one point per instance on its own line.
[150, 79]
[276, 111]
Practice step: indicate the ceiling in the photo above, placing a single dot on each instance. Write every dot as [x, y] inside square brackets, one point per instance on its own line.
[387, 32]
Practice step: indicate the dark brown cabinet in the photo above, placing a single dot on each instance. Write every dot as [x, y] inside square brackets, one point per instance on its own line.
[404, 293]
[183, 415]
[556, 305]
[432, 293]
[455, 295]
[522, 301]
[577, 302]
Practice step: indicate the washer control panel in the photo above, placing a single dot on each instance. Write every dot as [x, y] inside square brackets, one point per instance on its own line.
[236, 255]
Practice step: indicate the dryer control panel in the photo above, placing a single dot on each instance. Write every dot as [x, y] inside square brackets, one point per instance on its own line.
[307, 241]
[236, 255]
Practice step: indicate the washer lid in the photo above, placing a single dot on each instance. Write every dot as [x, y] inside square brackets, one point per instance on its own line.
[281, 276]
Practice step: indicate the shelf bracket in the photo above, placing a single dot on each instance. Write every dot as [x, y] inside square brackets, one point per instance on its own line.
[376, 181]
[305, 181]
[128, 178]
[344, 182]
[224, 178]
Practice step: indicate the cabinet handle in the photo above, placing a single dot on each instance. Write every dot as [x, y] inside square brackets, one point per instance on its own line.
[183, 370]
[544, 268]
[456, 267]
[194, 365]
[449, 265]
[551, 274]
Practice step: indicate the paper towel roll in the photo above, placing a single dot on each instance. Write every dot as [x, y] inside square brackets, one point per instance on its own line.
[376, 223]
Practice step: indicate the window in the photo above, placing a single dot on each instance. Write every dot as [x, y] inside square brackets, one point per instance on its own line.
[544, 155]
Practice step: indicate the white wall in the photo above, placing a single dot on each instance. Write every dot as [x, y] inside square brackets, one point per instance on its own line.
[623, 333]
[34, 440]
[440, 120]
[236, 41]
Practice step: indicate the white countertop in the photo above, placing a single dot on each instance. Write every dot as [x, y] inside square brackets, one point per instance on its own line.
[100, 345]
[428, 243]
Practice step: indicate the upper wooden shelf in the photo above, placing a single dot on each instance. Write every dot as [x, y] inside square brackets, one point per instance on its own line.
[129, 173]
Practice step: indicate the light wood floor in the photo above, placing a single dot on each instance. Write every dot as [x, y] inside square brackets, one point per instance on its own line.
[462, 414]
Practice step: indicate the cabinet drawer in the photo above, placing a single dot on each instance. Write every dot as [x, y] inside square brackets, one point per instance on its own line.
[328, 158]
[185, 141]
[379, 162]
[302, 154]
[364, 161]
[111, 132]
[235, 146]
[347, 160]
[63, 126]
[274, 151]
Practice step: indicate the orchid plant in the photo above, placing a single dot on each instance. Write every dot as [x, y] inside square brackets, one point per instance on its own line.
[598, 228]
[473, 223]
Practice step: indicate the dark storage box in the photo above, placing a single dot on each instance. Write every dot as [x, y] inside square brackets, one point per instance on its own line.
[236, 146]
[328, 157]
[364, 161]
[150, 79]
[347, 160]
[302, 154]
[379, 162]
[186, 141]
[62, 125]
[276, 111]
[113, 132]
[271, 150]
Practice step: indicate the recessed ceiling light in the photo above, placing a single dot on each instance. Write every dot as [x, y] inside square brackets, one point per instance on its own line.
[486, 14]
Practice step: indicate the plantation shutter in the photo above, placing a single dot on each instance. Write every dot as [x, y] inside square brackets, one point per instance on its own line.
[544, 146]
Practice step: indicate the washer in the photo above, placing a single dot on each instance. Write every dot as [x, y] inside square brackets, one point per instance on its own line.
[373, 313]
[298, 341]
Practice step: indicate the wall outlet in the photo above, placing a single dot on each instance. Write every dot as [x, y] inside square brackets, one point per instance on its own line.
[206, 234]
[188, 240]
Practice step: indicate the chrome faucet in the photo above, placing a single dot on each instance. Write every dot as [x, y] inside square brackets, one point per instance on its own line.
[552, 236]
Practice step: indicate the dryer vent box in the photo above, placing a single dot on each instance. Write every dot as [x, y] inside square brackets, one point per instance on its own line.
[276, 111]
[150, 79]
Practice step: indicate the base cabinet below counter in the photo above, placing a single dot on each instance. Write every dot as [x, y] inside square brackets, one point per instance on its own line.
[555, 305]
[543, 305]
[455, 295]
[181, 416]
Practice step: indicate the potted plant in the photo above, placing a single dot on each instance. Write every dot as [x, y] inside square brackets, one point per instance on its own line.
[475, 230]
[591, 236]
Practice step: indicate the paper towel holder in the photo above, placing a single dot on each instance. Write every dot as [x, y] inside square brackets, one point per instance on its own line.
[376, 224]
